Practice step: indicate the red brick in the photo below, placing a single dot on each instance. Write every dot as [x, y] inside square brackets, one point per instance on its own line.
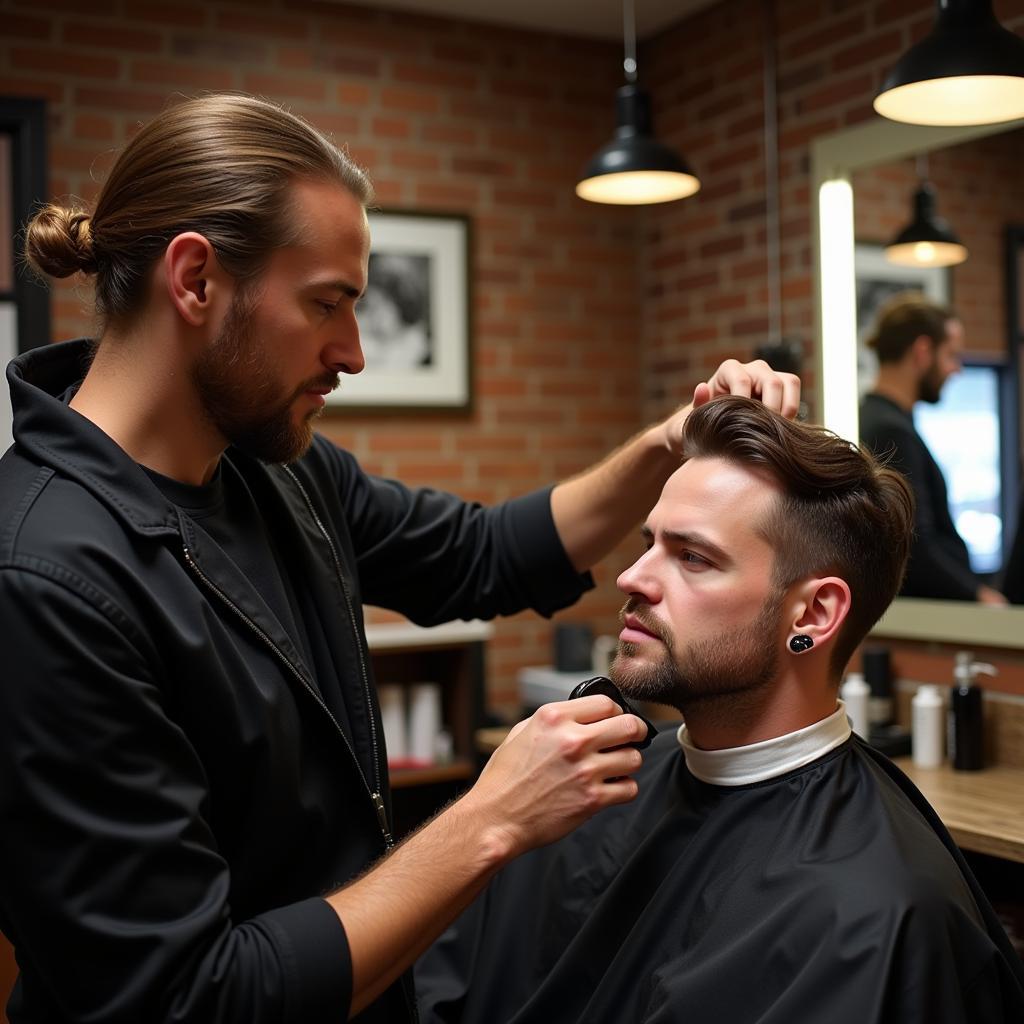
[410, 100]
[445, 131]
[263, 25]
[347, 62]
[881, 47]
[294, 58]
[446, 195]
[485, 166]
[181, 75]
[837, 91]
[354, 95]
[110, 37]
[392, 127]
[176, 15]
[406, 441]
[285, 86]
[822, 36]
[425, 74]
[121, 99]
[94, 126]
[225, 50]
[25, 26]
[32, 88]
[64, 62]
[538, 198]
[414, 160]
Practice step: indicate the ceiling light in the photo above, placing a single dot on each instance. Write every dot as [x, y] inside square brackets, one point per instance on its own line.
[927, 241]
[635, 168]
[968, 70]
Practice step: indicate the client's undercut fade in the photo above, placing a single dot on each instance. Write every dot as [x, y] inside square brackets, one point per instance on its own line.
[842, 513]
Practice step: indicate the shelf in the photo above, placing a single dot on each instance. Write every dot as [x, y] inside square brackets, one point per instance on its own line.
[982, 810]
[457, 770]
[400, 636]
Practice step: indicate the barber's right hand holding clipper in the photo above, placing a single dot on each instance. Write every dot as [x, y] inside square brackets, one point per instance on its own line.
[555, 770]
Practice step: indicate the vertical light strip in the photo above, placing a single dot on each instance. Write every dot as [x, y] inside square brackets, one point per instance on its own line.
[838, 387]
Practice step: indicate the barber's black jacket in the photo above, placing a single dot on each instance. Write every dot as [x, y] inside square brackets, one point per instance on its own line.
[175, 795]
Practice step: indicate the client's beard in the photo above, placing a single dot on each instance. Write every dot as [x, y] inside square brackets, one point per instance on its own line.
[732, 666]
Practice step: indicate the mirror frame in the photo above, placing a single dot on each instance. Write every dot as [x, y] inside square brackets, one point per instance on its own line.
[834, 159]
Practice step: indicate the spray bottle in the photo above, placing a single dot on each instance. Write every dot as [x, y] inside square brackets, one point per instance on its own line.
[966, 719]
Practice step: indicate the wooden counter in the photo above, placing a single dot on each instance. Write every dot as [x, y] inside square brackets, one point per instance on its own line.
[984, 811]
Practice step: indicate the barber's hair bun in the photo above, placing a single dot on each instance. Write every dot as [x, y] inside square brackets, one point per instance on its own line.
[58, 241]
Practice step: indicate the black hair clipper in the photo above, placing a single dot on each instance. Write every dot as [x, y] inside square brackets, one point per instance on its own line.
[603, 685]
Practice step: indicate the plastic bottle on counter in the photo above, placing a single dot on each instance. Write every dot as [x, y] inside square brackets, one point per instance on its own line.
[966, 722]
[856, 695]
[927, 728]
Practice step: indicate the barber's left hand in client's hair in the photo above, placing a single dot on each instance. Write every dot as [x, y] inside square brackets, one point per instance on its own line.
[779, 392]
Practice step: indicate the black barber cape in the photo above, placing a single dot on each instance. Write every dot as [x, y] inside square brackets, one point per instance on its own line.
[828, 895]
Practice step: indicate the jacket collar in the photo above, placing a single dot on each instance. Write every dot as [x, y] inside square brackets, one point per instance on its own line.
[50, 432]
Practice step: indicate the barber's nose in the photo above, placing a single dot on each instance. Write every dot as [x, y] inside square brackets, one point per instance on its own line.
[344, 352]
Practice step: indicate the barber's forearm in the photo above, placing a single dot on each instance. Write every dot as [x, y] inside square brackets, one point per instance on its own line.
[552, 773]
[394, 912]
[596, 509]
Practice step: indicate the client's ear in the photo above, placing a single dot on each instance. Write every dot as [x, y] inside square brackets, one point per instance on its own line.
[822, 607]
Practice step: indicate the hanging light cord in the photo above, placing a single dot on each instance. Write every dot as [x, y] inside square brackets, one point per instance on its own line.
[629, 36]
[771, 173]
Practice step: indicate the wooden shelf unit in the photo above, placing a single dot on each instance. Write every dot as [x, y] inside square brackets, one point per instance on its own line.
[452, 655]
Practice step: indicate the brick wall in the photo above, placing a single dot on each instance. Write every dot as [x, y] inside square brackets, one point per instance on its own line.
[589, 320]
[703, 262]
[487, 121]
[980, 192]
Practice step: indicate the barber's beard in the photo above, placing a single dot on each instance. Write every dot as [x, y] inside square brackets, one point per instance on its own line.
[929, 387]
[240, 394]
[729, 668]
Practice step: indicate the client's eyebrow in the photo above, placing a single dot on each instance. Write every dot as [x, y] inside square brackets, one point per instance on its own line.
[691, 538]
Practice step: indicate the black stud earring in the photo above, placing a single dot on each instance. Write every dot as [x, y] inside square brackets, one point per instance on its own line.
[801, 642]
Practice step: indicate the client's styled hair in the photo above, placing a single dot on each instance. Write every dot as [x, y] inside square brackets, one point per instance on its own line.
[843, 514]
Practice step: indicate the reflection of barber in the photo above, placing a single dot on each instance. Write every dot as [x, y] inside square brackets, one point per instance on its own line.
[393, 313]
[919, 344]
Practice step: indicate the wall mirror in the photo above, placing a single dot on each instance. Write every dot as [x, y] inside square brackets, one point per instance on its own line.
[862, 181]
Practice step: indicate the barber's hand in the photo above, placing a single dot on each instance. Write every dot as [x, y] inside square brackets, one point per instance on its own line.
[986, 595]
[779, 391]
[557, 769]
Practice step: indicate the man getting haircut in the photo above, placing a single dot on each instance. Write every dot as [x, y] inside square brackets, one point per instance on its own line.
[774, 868]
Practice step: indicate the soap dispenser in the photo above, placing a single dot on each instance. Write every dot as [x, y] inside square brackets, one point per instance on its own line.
[966, 716]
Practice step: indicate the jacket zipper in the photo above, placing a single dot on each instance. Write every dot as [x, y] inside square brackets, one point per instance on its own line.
[375, 797]
[378, 801]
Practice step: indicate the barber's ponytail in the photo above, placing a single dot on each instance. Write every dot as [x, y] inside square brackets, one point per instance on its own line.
[58, 242]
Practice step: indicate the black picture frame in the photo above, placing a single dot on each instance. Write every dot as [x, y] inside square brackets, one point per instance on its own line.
[415, 317]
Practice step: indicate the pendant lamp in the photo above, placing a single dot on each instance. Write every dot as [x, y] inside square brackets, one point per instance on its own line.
[968, 70]
[927, 241]
[635, 168]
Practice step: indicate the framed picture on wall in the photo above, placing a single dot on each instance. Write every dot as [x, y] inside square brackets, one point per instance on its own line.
[414, 317]
[877, 281]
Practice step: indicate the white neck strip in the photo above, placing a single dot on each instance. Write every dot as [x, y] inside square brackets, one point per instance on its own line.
[756, 762]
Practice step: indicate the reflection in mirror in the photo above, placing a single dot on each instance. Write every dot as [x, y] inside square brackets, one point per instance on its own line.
[976, 177]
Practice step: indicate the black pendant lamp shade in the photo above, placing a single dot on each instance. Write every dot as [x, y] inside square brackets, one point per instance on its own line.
[928, 241]
[635, 168]
[968, 70]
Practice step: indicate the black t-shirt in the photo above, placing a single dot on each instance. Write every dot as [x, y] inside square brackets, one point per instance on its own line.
[226, 510]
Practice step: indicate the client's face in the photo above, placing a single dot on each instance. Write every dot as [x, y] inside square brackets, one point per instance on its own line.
[703, 618]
